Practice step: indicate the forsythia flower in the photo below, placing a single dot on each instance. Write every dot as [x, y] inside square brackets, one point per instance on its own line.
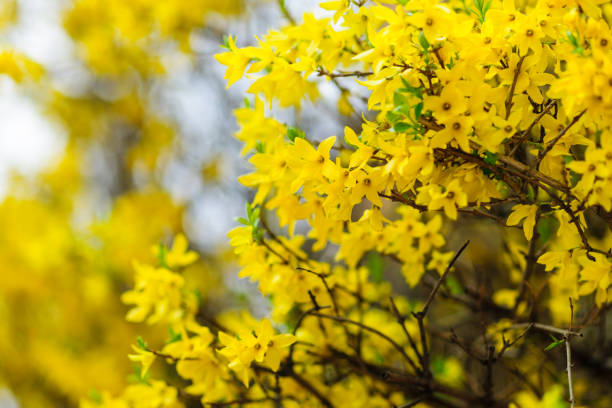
[178, 256]
[526, 212]
[261, 346]
[157, 294]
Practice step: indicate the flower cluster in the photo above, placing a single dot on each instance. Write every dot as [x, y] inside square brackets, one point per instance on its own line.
[486, 121]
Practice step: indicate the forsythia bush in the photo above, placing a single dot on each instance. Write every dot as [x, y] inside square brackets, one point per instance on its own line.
[487, 123]
[451, 248]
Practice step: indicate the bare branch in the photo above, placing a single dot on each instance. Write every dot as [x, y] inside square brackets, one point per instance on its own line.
[552, 144]
[430, 299]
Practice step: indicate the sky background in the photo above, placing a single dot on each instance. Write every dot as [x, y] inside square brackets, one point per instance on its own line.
[29, 142]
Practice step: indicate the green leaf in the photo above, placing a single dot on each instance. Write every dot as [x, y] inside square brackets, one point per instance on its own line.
[198, 295]
[545, 228]
[418, 108]
[567, 158]
[376, 266]
[161, 256]
[392, 117]
[438, 365]
[260, 147]
[556, 342]
[491, 158]
[423, 41]
[141, 343]
[378, 357]
[174, 336]
[293, 132]
[454, 286]
[553, 345]
[402, 127]
[530, 193]
[418, 92]
[95, 396]
[225, 42]
[487, 6]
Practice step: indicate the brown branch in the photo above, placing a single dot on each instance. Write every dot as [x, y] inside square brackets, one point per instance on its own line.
[430, 299]
[530, 264]
[311, 388]
[420, 316]
[333, 75]
[568, 356]
[517, 72]
[401, 319]
[372, 330]
[414, 385]
[525, 134]
[236, 402]
[552, 144]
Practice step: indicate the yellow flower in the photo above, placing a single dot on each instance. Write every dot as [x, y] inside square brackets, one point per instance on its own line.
[434, 20]
[144, 357]
[179, 256]
[450, 103]
[235, 60]
[456, 129]
[261, 346]
[339, 6]
[363, 152]
[596, 277]
[440, 261]
[527, 212]
[157, 294]
[451, 198]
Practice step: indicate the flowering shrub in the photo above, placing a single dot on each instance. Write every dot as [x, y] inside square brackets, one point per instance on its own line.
[484, 114]
[454, 249]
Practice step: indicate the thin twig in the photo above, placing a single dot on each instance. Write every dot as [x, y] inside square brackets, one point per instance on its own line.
[372, 330]
[525, 134]
[401, 319]
[530, 262]
[508, 344]
[435, 289]
[547, 328]
[332, 75]
[285, 11]
[517, 72]
[552, 144]
[568, 355]
[236, 402]
[420, 316]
